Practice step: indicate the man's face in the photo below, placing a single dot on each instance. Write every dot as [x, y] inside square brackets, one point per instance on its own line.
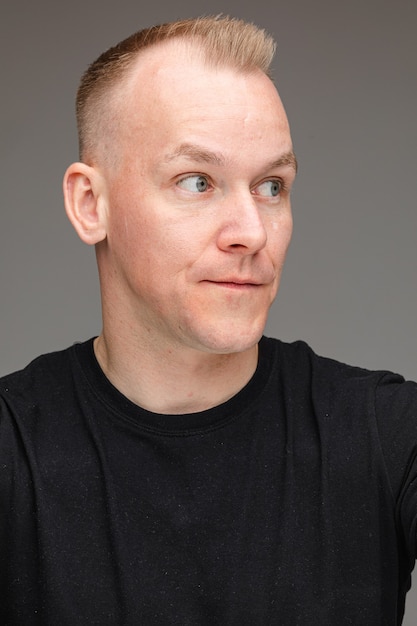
[199, 217]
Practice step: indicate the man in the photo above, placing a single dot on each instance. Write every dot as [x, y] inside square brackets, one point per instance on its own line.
[180, 468]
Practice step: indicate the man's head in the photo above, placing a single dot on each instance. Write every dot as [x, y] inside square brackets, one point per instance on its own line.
[221, 41]
[185, 185]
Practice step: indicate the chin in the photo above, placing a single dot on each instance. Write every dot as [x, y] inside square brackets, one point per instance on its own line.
[230, 341]
[222, 330]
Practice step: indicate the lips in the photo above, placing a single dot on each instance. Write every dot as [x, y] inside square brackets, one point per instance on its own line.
[256, 278]
[235, 282]
[238, 280]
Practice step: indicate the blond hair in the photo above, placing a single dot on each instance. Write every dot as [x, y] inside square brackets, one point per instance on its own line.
[222, 40]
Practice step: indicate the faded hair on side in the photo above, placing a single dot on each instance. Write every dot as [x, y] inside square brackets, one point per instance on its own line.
[222, 40]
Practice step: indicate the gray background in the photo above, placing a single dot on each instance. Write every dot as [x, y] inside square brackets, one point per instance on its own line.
[347, 74]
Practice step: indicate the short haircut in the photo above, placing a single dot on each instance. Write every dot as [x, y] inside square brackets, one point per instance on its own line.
[222, 40]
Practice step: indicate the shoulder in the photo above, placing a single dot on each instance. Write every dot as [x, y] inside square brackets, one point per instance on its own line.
[298, 359]
[331, 384]
[44, 377]
[369, 414]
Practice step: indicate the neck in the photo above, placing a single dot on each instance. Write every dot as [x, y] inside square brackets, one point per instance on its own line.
[174, 382]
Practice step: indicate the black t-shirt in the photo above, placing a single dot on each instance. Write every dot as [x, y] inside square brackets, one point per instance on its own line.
[293, 503]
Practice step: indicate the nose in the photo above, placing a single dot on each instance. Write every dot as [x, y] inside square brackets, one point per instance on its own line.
[243, 230]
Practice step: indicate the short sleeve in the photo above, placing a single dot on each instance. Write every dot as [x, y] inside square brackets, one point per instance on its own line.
[396, 414]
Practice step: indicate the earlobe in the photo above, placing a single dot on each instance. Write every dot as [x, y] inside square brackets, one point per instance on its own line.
[84, 199]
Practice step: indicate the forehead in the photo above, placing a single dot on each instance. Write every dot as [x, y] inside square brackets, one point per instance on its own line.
[172, 95]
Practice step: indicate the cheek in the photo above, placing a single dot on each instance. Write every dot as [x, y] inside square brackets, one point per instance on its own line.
[280, 237]
[148, 246]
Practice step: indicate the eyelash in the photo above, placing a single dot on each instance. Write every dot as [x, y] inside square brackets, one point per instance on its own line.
[282, 185]
[277, 181]
[194, 174]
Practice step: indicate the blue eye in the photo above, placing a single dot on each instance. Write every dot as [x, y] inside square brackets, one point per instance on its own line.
[194, 183]
[269, 188]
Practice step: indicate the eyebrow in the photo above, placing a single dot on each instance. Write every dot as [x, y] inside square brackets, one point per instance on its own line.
[203, 155]
[288, 158]
[196, 153]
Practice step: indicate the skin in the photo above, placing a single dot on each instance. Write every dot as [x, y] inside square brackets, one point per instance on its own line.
[191, 228]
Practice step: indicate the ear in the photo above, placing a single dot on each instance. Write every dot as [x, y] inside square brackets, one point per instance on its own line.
[85, 202]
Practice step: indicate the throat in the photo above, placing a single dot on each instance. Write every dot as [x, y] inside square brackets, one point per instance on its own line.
[176, 386]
